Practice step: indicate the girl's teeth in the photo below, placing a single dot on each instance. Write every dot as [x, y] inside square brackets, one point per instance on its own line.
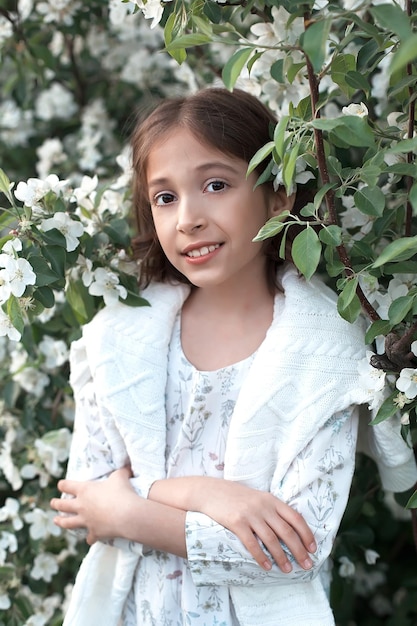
[202, 251]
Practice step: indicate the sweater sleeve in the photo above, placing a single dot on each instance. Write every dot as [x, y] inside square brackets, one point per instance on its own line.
[97, 448]
[317, 485]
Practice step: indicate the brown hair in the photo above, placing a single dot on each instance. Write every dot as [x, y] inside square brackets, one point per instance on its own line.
[236, 123]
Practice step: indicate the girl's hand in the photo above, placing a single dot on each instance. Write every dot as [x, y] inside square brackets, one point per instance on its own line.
[102, 507]
[250, 514]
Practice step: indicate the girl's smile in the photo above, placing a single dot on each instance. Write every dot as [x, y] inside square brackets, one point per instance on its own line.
[206, 211]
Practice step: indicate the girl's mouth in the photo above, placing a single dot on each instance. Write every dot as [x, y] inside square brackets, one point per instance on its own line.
[203, 251]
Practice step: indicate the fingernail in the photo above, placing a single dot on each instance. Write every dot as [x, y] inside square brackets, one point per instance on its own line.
[307, 564]
[312, 547]
[286, 567]
[267, 565]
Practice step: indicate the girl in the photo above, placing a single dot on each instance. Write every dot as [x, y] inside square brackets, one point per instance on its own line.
[232, 398]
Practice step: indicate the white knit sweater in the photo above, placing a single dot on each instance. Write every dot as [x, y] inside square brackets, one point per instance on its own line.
[304, 372]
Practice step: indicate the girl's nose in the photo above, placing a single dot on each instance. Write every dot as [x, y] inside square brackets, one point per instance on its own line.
[189, 219]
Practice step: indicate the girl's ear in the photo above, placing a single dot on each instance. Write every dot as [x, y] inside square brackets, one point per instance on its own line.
[279, 202]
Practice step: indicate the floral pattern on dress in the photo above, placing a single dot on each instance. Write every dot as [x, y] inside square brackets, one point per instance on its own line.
[199, 408]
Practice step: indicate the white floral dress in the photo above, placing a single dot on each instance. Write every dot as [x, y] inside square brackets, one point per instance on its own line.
[199, 407]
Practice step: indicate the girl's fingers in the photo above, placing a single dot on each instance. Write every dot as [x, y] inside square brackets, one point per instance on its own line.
[301, 528]
[64, 505]
[251, 544]
[272, 534]
[68, 486]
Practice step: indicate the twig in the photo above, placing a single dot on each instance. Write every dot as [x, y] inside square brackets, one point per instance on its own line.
[324, 175]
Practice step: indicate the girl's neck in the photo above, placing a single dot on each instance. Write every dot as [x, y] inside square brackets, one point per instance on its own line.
[220, 327]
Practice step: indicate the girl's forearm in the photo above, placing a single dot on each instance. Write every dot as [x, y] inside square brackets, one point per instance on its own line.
[185, 493]
[154, 524]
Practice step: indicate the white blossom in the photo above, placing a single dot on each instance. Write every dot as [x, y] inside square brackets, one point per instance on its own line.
[7, 466]
[18, 273]
[360, 110]
[16, 124]
[407, 382]
[29, 378]
[6, 29]
[8, 543]
[56, 101]
[4, 601]
[405, 419]
[152, 10]
[60, 11]
[31, 470]
[347, 568]
[55, 351]
[50, 153]
[41, 524]
[53, 449]
[25, 8]
[397, 287]
[6, 327]
[106, 284]
[12, 245]
[32, 191]
[71, 229]
[371, 557]
[10, 512]
[85, 194]
[302, 175]
[372, 380]
[44, 567]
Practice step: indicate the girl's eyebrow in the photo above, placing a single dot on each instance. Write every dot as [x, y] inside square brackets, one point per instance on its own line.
[156, 182]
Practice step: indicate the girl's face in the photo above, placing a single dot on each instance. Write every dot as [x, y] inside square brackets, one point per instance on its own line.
[206, 212]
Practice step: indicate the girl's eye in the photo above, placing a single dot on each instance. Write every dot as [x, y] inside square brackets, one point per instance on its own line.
[163, 198]
[216, 185]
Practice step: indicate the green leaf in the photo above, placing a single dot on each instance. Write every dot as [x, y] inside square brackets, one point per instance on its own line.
[171, 30]
[393, 18]
[45, 296]
[57, 258]
[353, 130]
[358, 82]
[380, 327]
[399, 308]
[277, 71]
[406, 53]
[318, 198]
[387, 409]
[44, 274]
[412, 503]
[351, 311]
[341, 65]
[314, 42]
[293, 70]
[259, 156]
[188, 41]
[80, 301]
[348, 293]
[118, 231]
[370, 174]
[398, 250]
[306, 251]
[272, 226]
[331, 235]
[15, 314]
[288, 167]
[202, 25]
[279, 135]
[370, 201]
[6, 186]
[413, 196]
[406, 145]
[234, 66]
